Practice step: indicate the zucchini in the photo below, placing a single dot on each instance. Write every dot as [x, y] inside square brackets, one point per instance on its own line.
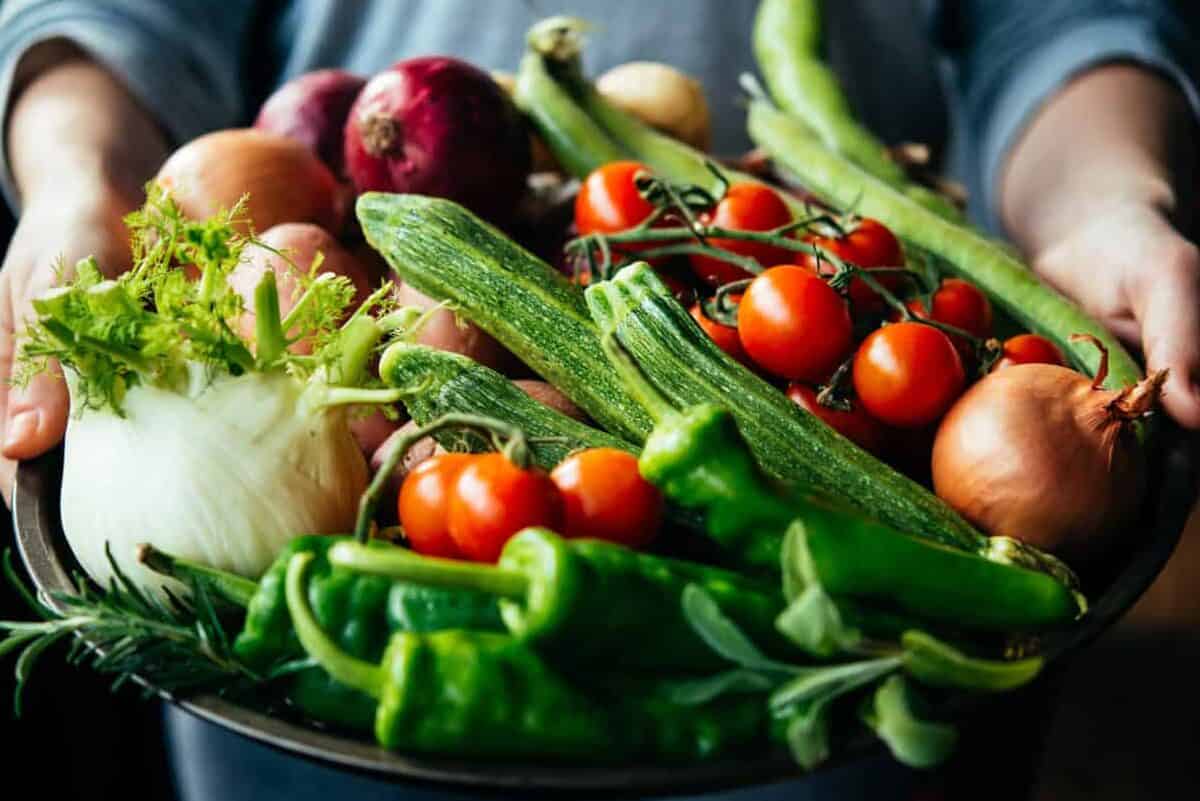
[451, 255]
[965, 252]
[686, 367]
[445, 383]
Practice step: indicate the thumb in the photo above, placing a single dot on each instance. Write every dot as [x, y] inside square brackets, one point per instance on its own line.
[1169, 314]
[35, 415]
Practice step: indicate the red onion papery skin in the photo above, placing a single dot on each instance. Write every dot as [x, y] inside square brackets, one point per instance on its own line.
[312, 109]
[439, 126]
[1037, 453]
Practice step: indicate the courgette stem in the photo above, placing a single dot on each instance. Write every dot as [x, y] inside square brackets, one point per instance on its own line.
[966, 253]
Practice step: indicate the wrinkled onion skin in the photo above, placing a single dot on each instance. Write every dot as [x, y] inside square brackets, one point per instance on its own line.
[285, 181]
[312, 109]
[441, 127]
[1030, 452]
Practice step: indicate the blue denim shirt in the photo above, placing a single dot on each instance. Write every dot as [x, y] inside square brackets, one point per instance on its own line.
[206, 64]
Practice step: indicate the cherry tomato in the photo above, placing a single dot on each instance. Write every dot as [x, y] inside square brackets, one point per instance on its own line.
[493, 499]
[793, 325]
[960, 304]
[745, 207]
[865, 243]
[608, 200]
[423, 504]
[855, 425]
[725, 336]
[1029, 349]
[908, 374]
[606, 498]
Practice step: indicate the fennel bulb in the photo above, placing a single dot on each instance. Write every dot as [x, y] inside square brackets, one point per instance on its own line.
[222, 474]
[187, 437]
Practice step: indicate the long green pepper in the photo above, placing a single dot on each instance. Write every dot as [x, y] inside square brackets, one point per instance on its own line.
[584, 601]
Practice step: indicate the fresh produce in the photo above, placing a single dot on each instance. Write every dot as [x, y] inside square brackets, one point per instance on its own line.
[294, 252]
[1029, 349]
[587, 602]
[282, 180]
[853, 423]
[449, 254]
[660, 96]
[865, 243]
[585, 131]
[312, 109]
[423, 505]
[438, 383]
[1043, 454]
[609, 201]
[606, 498]
[723, 336]
[787, 44]
[908, 374]
[184, 436]
[743, 207]
[443, 329]
[547, 395]
[495, 496]
[684, 365]
[793, 325]
[987, 265]
[439, 126]
[960, 304]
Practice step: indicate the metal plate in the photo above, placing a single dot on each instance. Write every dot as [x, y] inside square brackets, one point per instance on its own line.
[50, 564]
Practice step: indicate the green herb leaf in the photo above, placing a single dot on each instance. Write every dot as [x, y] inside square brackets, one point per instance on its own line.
[722, 634]
[697, 692]
[813, 622]
[830, 681]
[894, 713]
[808, 733]
[938, 664]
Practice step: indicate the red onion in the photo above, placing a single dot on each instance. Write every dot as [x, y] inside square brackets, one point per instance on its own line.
[312, 109]
[439, 126]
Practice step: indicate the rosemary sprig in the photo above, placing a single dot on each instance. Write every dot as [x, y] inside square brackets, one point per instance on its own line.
[170, 644]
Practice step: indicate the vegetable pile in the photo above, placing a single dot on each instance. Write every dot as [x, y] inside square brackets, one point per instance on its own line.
[801, 473]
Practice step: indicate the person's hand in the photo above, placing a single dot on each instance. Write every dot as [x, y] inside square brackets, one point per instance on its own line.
[1126, 264]
[80, 149]
[1092, 195]
[59, 228]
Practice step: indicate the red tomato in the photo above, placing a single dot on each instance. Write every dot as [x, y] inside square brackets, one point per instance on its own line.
[1029, 349]
[608, 200]
[855, 425]
[745, 207]
[866, 244]
[793, 325]
[726, 336]
[606, 498]
[908, 374]
[960, 304]
[493, 499]
[424, 501]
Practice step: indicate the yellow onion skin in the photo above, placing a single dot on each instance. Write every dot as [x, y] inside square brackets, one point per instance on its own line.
[1036, 453]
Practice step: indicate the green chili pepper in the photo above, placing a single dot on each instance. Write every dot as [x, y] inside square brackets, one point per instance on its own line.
[580, 601]
[699, 460]
[488, 695]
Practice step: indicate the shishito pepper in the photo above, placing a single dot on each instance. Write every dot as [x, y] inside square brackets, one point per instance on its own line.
[587, 600]
[700, 461]
[483, 694]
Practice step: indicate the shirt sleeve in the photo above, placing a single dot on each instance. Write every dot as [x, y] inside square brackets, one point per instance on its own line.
[1009, 58]
[182, 59]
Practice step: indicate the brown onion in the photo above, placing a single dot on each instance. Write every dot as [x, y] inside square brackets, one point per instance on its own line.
[662, 97]
[300, 242]
[284, 180]
[1045, 455]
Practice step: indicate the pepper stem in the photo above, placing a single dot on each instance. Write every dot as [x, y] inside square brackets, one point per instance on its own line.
[431, 571]
[230, 586]
[517, 450]
[347, 669]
